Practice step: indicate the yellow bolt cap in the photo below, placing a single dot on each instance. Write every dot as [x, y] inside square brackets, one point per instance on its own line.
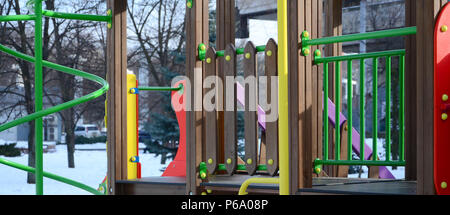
[203, 175]
[249, 161]
[444, 185]
[444, 28]
[248, 55]
[228, 58]
[306, 52]
[203, 193]
[270, 161]
[108, 12]
[444, 116]
[318, 170]
[269, 53]
[305, 34]
[189, 4]
[445, 97]
[229, 161]
[109, 25]
[208, 60]
[209, 191]
[210, 161]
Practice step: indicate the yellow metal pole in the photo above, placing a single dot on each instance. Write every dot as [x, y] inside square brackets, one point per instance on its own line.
[283, 97]
[131, 128]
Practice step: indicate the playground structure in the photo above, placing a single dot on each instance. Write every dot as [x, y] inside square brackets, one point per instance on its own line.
[309, 148]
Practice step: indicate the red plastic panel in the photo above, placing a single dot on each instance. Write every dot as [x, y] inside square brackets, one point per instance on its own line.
[177, 167]
[442, 104]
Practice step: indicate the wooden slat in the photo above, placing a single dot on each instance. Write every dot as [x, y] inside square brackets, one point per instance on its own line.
[250, 113]
[211, 144]
[271, 137]
[230, 113]
[117, 65]
[342, 171]
[410, 95]
[196, 33]
[426, 13]
[293, 86]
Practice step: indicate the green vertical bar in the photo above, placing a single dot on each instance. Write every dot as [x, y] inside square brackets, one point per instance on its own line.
[38, 97]
[350, 109]
[337, 96]
[388, 108]
[374, 110]
[362, 101]
[402, 108]
[325, 111]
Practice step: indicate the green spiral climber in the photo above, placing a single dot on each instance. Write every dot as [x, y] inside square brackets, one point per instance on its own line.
[39, 13]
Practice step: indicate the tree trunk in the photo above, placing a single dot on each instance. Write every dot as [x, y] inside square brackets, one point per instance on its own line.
[70, 141]
[31, 156]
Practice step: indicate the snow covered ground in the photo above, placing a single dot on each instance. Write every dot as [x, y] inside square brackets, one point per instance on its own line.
[90, 169]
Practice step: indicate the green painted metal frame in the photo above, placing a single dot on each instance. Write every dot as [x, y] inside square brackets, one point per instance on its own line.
[221, 53]
[39, 111]
[375, 56]
[222, 167]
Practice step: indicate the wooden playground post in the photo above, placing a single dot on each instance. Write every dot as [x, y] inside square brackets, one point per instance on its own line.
[117, 94]
[196, 33]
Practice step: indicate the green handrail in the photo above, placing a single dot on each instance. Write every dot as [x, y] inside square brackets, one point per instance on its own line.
[356, 37]
[39, 111]
[374, 56]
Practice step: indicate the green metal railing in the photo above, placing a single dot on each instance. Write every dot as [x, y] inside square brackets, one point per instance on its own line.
[39, 111]
[203, 170]
[375, 57]
[221, 53]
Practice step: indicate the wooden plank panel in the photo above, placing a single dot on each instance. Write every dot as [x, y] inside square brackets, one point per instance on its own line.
[271, 137]
[230, 113]
[211, 144]
[250, 113]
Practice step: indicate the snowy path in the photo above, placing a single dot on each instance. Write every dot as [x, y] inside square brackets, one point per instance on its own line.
[90, 170]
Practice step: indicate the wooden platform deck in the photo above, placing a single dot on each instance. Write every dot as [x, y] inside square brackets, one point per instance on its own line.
[230, 185]
[345, 186]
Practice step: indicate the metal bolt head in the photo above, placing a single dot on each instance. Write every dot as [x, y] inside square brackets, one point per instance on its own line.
[305, 34]
[444, 28]
[203, 47]
[133, 159]
[444, 116]
[317, 53]
[229, 161]
[270, 162]
[269, 53]
[210, 161]
[132, 91]
[306, 52]
[203, 175]
[249, 161]
[248, 55]
[208, 60]
[228, 58]
[317, 170]
[444, 185]
[445, 97]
